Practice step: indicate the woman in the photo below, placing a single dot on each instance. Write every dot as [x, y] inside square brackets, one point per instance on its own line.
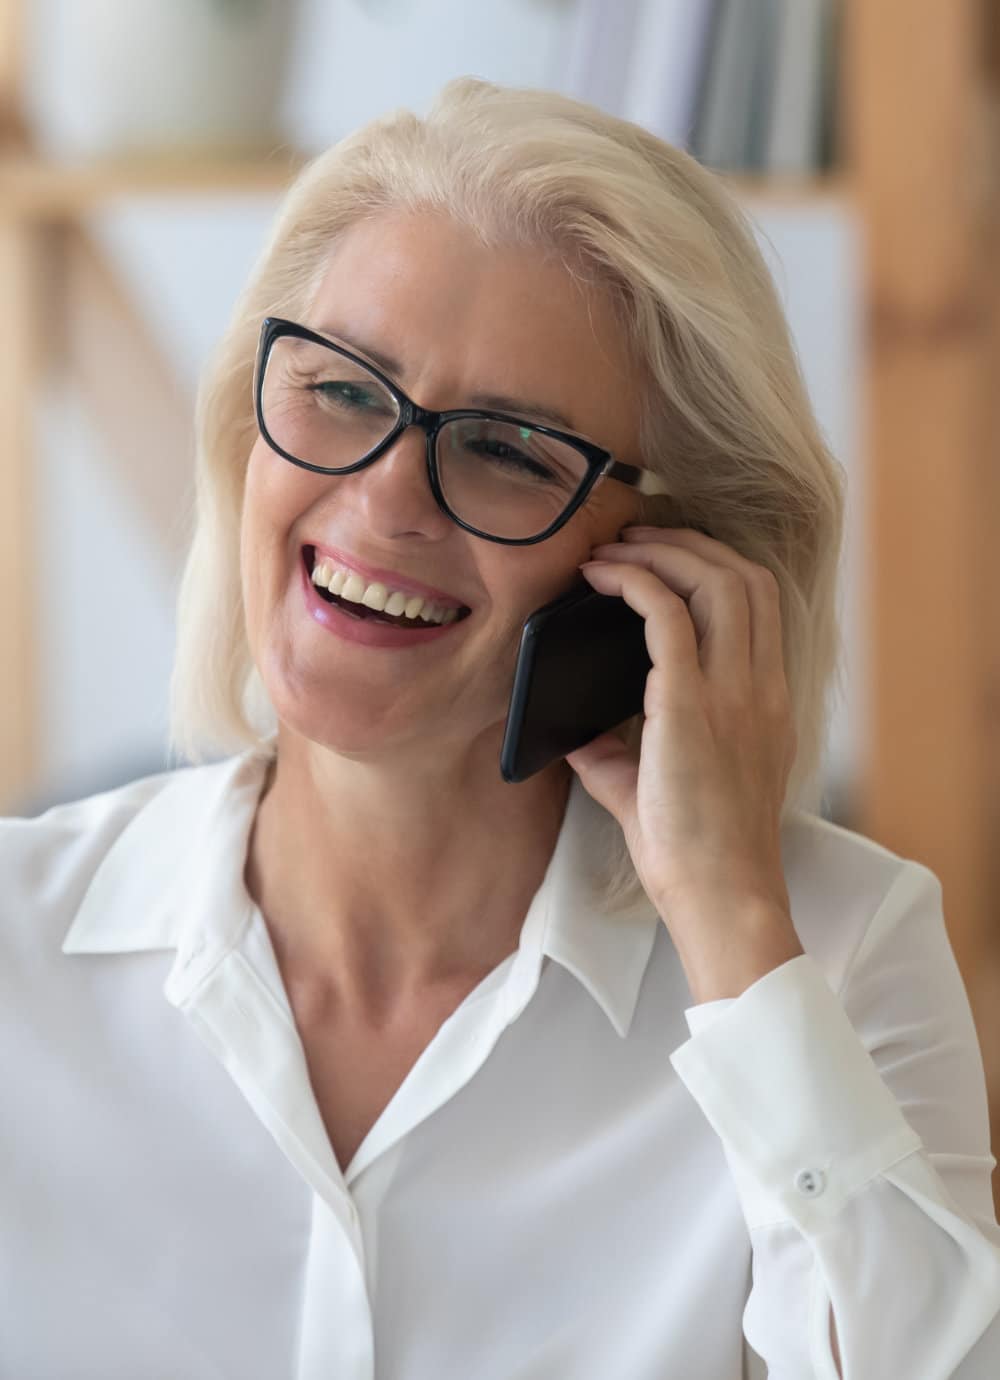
[636, 1068]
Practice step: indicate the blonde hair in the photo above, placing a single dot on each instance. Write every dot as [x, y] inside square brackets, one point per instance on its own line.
[725, 415]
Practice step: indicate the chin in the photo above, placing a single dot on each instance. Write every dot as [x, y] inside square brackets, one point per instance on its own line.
[352, 725]
[349, 729]
[370, 722]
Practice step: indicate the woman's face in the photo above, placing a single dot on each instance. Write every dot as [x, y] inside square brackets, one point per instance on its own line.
[461, 320]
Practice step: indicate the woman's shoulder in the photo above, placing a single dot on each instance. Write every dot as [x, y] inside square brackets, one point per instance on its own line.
[840, 881]
[48, 860]
[39, 851]
[830, 844]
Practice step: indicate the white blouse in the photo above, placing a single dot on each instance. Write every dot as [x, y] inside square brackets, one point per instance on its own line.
[583, 1176]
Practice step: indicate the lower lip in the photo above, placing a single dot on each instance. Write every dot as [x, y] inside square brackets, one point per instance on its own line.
[366, 630]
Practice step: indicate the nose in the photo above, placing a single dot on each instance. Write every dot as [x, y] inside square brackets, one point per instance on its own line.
[393, 494]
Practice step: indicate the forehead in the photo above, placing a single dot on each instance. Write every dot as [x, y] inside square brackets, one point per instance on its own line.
[460, 317]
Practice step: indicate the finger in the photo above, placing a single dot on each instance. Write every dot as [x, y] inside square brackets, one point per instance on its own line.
[716, 596]
[609, 772]
[764, 592]
[671, 639]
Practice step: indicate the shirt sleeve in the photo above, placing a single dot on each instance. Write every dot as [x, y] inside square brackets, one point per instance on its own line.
[856, 1129]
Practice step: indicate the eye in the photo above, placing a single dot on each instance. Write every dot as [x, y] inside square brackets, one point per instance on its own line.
[509, 457]
[351, 396]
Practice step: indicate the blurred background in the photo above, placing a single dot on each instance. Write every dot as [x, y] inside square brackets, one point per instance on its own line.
[144, 148]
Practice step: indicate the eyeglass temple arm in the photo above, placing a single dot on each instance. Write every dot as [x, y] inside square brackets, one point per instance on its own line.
[645, 481]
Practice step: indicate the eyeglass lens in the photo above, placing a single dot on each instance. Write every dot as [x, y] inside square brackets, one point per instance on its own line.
[502, 478]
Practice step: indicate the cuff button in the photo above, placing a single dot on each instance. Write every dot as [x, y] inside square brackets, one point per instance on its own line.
[810, 1182]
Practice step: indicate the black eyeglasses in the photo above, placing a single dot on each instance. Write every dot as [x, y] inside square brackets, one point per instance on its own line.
[499, 477]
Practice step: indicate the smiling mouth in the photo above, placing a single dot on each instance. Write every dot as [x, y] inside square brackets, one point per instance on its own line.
[362, 611]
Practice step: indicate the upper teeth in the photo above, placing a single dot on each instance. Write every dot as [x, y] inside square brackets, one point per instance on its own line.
[353, 587]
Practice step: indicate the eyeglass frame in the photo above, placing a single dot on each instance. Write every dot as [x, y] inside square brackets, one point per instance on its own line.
[601, 464]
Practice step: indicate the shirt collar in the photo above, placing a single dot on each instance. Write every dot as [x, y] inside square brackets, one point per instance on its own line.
[175, 872]
[606, 951]
[173, 879]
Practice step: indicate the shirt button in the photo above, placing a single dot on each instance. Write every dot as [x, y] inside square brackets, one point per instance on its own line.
[810, 1182]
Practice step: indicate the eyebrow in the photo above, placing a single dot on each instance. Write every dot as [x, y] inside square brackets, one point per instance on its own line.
[496, 402]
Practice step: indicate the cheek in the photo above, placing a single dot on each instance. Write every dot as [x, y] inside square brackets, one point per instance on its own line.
[255, 504]
[268, 511]
[254, 507]
[553, 565]
[275, 496]
[267, 489]
[539, 578]
[594, 524]
[612, 510]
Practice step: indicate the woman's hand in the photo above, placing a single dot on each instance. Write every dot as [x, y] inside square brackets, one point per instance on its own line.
[700, 809]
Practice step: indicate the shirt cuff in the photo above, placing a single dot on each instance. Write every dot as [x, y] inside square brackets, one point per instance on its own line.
[783, 1078]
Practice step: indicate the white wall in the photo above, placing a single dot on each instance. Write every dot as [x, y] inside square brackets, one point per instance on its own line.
[106, 624]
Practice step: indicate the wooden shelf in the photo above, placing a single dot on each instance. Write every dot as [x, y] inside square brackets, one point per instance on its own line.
[32, 186]
[837, 188]
[35, 186]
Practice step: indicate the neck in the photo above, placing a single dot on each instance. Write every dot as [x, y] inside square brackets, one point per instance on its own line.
[378, 883]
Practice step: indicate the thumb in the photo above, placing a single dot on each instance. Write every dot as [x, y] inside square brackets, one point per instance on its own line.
[609, 772]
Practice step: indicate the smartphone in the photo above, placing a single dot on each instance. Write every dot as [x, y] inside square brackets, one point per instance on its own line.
[581, 670]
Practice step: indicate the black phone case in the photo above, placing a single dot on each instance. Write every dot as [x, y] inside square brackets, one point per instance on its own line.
[581, 670]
